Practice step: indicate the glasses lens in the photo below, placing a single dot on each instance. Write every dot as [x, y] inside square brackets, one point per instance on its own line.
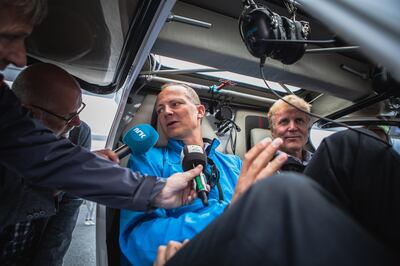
[83, 105]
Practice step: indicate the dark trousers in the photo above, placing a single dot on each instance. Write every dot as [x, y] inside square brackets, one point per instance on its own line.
[364, 175]
[290, 219]
[57, 235]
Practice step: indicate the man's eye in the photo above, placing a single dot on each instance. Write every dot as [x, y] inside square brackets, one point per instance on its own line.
[175, 104]
[8, 38]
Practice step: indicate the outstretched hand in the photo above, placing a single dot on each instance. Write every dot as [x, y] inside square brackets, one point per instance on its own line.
[178, 190]
[258, 164]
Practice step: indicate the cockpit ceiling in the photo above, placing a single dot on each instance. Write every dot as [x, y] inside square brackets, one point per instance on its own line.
[221, 47]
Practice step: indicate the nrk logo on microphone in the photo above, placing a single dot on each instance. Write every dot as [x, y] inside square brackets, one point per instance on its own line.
[140, 138]
[139, 132]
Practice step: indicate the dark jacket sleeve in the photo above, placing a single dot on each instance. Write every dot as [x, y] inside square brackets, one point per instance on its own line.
[32, 151]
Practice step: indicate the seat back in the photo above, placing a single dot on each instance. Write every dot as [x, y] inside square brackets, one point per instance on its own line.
[247, 120]
[258, 134]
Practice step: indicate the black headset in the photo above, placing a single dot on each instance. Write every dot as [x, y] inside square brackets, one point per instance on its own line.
[266, 34]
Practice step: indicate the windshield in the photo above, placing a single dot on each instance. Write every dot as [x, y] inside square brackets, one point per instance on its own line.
[88, 37]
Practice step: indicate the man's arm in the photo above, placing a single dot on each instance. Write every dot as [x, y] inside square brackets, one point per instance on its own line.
[32, 151]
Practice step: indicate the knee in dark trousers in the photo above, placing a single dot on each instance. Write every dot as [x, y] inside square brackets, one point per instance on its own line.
[286, 219]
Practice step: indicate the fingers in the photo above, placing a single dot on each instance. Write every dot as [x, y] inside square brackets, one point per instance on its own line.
[108, 154]
[161, 256]
[191, 195]
[263, 158]
[172, 248]
[254, 152]
[272, 167]
[189, 175]
[257, 164]
[164, 253]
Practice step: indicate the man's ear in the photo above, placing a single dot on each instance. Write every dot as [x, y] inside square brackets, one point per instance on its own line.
[201, 111]
[35, 112]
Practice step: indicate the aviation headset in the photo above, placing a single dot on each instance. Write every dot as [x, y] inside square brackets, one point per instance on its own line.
[266, 34]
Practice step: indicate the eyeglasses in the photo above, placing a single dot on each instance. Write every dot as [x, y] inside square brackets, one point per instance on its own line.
[67, 119]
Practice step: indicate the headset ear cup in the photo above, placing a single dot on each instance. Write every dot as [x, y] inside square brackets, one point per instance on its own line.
[259, 24]
[286, 49]
[299, 36]
[294, 51]
[279, 34]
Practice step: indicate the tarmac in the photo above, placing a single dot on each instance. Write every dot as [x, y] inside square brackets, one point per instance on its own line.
[82, 250]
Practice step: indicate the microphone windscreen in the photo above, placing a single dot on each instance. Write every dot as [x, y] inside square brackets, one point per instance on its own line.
[140, 138]
[193, 155]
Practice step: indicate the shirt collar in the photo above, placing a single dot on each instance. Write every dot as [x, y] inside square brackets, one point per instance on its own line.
[306, 157]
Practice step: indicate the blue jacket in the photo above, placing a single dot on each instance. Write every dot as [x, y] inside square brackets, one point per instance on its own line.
[141, 233]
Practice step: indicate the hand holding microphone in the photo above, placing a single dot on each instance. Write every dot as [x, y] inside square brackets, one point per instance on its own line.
[194, 155]
[137, 140]
[176, 192]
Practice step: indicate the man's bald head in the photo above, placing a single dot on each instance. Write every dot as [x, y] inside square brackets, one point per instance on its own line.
[190, 93]
[50, 92]
[32, 11]
[43, 84]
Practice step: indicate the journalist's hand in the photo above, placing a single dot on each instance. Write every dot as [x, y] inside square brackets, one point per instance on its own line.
[178, 190]
[257, 164]
[108, 154]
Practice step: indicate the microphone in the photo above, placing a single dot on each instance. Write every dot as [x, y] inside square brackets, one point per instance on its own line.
[194, 155]
[137, 140]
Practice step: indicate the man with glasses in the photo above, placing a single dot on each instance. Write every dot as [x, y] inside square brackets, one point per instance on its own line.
[54, 98]
[38, 157]
[69, 121]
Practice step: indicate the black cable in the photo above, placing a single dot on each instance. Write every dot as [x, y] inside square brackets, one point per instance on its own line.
[298, 41]
[315, 115]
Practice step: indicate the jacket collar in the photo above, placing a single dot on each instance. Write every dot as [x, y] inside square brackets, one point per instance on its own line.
[177, 146]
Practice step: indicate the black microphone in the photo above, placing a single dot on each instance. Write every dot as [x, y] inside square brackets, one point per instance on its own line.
[138, 140]
[194, 155]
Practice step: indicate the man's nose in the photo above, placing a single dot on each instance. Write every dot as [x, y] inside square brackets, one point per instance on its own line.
[16, 53]
[167, 110]
[292, 125]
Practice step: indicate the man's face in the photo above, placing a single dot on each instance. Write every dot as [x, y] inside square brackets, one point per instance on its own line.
[63, 108]
[13, 32]
[178, 116]
[292, 126]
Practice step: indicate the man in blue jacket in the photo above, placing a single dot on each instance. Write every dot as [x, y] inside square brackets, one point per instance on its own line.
[179, 113]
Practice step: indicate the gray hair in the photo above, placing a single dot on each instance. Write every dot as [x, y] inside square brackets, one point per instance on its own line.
[191, 94]
[33, 11]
